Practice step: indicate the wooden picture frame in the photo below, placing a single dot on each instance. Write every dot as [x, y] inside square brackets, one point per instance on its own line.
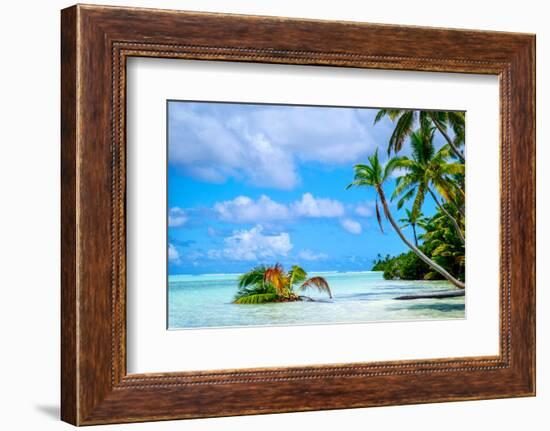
[95, 43]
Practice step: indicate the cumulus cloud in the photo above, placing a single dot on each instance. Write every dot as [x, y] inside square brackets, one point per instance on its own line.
[261, 144]
[311, 256]
[173, 254]
[242, 209]
[351, 226]
[312, 207]
[177, 217]
[253, 245]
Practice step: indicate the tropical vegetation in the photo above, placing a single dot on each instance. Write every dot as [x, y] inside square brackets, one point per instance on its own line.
[417, 170]
[439, 250]
[405, 266]
[265, 284]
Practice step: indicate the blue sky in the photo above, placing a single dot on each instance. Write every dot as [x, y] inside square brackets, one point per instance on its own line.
[251, 184]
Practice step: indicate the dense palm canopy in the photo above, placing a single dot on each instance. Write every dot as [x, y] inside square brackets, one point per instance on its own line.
[427, 171]
[406, 120]
[442, 243]
[265, 284]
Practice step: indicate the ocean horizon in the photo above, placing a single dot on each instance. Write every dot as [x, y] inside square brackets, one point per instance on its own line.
[207, 274]
[205, 301]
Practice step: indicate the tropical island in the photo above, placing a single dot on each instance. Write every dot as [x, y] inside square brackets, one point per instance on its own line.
[273, 284]
[437, 251]
[290, 214]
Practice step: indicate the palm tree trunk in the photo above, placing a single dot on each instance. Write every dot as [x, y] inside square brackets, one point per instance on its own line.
[415, 249]
[459, 208]
[414, 233]
[448, 214]
[455, 150]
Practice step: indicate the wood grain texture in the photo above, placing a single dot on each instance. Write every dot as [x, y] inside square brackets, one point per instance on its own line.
[69, 367]
[96, 41]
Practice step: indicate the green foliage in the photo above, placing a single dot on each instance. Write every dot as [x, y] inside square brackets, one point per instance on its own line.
[264, 284]
[406, 266]
[438, 240]
[406, 121]
[253, 289]
[252, 277]
[425, 171]
[257, 298]
[296, 275]
[381, 262]
[440, 243]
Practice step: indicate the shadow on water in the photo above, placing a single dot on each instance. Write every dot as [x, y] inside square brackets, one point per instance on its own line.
[434, 307]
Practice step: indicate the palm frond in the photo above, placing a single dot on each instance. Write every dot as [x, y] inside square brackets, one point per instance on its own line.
[403, 185]
[318, 283]
[453, 168]
[380, 114]
[258, 298]
[254, 276]
[403, 128]
[407, 196]
[396, 163]
[419, 200]
[457, 120]
[276, 277]
[392, 114]
[296, 275]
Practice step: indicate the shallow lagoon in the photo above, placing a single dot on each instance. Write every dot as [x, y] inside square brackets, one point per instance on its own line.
[199, 301]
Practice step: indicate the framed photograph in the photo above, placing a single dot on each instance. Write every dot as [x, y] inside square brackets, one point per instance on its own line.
[265, 215]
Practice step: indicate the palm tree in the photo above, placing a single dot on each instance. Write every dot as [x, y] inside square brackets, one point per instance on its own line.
[425, 171]
[442, 244]
[373, 175]
[406, 120]
[412, 219]
[272, 284]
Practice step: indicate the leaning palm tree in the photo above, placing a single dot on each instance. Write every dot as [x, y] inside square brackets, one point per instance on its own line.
[272, 284]
[406, 121]
[374, 175]
[427, 170]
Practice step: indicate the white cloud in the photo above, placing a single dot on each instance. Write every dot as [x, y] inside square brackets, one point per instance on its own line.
[365, 209]
[177, 217]
[243, 209]
[262, 144]
[252, 244]
[312, 207]
[173, 254]
[311, 256]
[351, 226]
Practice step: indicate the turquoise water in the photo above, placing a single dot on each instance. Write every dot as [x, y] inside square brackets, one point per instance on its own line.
[200, 301]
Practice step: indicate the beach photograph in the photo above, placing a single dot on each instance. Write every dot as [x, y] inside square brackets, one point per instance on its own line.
[302, 215]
